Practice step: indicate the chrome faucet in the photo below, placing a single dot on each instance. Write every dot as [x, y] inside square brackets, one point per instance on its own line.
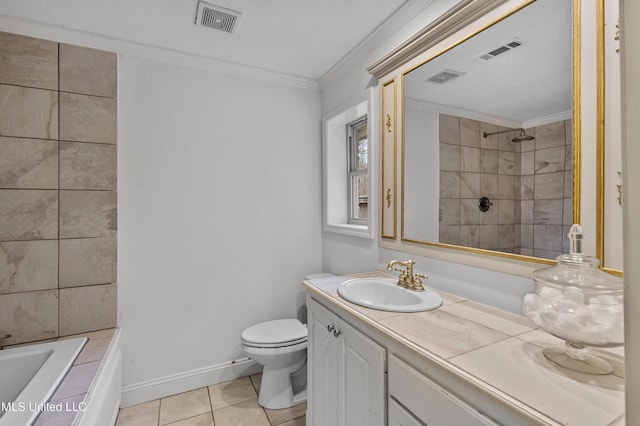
[407, 278]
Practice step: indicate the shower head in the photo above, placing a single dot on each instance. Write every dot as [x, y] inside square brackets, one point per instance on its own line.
[522, 137]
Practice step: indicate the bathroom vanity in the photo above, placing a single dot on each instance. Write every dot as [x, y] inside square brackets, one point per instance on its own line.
[461, 364]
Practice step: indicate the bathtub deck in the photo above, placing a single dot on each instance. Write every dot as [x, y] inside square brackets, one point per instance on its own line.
[72, 391]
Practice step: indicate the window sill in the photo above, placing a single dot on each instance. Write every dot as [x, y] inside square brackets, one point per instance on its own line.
[362, 231]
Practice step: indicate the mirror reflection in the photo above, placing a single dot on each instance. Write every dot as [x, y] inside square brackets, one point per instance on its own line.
[488, 142]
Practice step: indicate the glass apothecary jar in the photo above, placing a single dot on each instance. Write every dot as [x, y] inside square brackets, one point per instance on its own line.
[577, 302]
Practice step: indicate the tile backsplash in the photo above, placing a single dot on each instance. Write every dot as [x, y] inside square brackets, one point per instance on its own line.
[529, 184]
[58, 202]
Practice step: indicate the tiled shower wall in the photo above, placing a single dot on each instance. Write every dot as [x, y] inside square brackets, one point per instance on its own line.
[529, 184]
[57, 189]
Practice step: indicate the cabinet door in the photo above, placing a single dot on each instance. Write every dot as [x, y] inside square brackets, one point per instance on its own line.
[322, 368]
[361, 381]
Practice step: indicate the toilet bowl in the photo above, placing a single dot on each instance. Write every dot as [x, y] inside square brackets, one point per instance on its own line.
[280, 346]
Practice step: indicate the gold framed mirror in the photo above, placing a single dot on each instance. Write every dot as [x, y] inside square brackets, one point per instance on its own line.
[491, 137]
[609, 200]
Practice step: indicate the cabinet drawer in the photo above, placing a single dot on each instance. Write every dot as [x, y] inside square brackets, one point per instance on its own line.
[428, 401]
[399, 416]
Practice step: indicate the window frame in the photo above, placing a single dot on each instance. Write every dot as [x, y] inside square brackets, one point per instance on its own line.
[352, 169]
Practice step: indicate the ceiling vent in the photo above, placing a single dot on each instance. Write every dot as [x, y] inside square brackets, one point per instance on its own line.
[494, 53]
[216, 17]
[445, 76]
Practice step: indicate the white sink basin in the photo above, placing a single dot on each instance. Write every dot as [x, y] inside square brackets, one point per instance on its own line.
[384, 294]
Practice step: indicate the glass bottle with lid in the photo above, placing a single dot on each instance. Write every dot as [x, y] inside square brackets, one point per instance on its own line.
[579, 303]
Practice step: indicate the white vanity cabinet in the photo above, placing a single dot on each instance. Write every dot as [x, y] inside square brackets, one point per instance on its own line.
[414, 400]
[346, 373]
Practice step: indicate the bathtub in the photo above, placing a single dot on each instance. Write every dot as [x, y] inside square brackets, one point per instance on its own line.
[29, 375]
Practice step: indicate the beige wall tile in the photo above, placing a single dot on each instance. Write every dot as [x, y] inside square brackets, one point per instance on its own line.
[184, 405]
[29, 316]
[469, 212]
[470, 235]
[550, 160]
[506, 211]
[548, 211]
[449, 234]
[28, 214]
[506, 237]
[506, 163]
[549, 135]
[87, 166]
[87, 308]
[87, 118]
[450, 211]
[547, 237]
[470, 132]
[28, 113]
[28, 163]
[488, 236]
[549, 185]
[449, 157]
[470, 185]
[470, 159]
[489, 161]
[88, 214]
[489, 185]
[506, 187]
[88, 71]
[449, 184]
[490, 142]
[26, 61]
[28, 266]
[88, 261]
[449, 129]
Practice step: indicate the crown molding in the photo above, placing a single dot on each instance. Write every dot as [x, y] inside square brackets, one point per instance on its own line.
[401, 17]
[61, 34]
[455, 19]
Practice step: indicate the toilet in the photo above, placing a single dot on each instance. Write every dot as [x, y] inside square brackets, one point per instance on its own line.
[281, 347]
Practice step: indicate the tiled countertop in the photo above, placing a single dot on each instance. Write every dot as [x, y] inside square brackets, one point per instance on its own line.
[500, 351]
[76, 384]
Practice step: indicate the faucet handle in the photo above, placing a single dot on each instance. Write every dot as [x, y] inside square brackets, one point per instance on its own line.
[417, 282]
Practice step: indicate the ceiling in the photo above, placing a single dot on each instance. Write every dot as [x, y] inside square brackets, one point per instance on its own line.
[523, 85]
[304, 38]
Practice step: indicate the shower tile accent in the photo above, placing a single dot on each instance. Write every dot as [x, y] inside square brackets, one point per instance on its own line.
[26, 61]
[87, 166]
[88, 214]
[29, 316]
[87, 308]
[28, 266]
[28, 163]
[529, 184]
[28, 113]
[58, 205]
[87, 261]
[87, 118]
[88, 71]
[28, 214]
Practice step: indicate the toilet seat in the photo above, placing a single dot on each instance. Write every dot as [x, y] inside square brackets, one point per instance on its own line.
[275, 334]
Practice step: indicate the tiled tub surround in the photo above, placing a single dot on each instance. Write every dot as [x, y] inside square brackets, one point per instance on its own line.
[489, 353]
[529, 183]
[58, 203]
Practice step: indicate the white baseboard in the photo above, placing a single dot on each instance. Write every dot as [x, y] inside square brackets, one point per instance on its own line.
[149, 390]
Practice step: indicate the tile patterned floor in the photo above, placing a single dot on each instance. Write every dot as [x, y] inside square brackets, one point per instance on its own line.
[233, 403]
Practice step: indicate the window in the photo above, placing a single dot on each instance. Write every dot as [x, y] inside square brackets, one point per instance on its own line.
[358, 175]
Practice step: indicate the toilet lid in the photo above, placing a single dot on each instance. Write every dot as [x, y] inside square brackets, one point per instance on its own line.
[275, 332]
